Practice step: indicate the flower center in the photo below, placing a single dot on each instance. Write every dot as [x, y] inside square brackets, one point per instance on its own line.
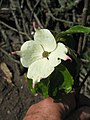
[45, 54]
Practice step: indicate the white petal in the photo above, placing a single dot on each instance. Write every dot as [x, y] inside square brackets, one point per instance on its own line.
[46, 39]
[58, 54]
[62, 48]
[30, 52]
[61, 51]
[53, 58]
[39, 69]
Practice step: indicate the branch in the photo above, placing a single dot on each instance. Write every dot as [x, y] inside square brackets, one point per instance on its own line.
[9, 56]
[84, 19]
[35, 16]
[82, 83]
[53, 17]
[1, 3]
[20, 32]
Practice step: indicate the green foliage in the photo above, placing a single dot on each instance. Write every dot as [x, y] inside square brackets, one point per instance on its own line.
[41, 87]
[61, 79]
[73, 30]
[67, 79]
[34, 91]
[78, 29]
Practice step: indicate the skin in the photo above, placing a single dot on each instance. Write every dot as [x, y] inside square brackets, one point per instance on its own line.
[50, 109]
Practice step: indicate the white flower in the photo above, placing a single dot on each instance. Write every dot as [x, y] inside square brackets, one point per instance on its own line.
[42, 55]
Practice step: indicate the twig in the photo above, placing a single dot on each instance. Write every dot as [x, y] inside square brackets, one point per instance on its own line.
[36, 4]
[22, 2]
[23, 20]
[9, 56]
[80, 44]
[54, 18]
[16, 21]
[82, 84]
[4, 35]
[85, 60]
[20, 32]
[80, 87]
[84, 19]
[60, 20]
[1, 3]
[47, 21]
[35, 16]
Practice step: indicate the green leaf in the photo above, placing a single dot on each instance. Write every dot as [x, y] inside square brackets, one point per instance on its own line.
[68, 79]
[78, 29]
[33, 90]
[41, 87]
[73, 30]
[60, 81]
[56, 80]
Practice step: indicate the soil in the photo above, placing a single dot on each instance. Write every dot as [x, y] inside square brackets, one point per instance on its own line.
[15, 97]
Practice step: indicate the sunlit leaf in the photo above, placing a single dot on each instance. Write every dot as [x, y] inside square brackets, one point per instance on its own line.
[60, 81]
[78, 29]
[73, 30]
[40, 88]
[33, 90]
[56, 80]
[67, 79]
[43, 88]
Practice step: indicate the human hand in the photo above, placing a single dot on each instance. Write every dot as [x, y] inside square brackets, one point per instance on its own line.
[50, 109]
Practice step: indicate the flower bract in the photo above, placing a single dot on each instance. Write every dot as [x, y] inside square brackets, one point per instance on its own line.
[42, 55]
